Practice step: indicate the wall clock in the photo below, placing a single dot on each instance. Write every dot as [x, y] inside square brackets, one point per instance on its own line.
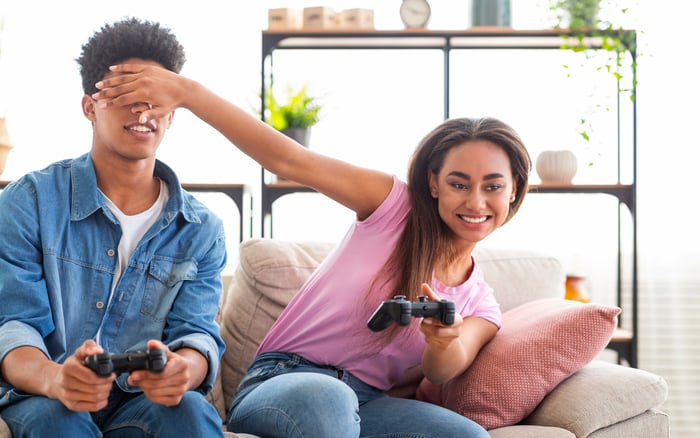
[415, 13]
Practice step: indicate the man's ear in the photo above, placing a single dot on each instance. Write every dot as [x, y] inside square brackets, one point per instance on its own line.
[170, 118]
[88, 105]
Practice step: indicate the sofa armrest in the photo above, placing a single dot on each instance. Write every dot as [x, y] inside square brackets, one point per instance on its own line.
[4, 430]
[599, 395]
[269, 274]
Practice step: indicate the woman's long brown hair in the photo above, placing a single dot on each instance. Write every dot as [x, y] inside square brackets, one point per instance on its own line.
[427, 240]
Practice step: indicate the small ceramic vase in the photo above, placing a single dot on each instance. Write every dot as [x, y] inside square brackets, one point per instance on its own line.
[556, 167]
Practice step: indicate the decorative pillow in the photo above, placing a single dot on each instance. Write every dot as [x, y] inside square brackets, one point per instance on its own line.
[540, 343]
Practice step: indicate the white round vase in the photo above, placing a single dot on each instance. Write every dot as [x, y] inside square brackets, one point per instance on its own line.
[556, 167]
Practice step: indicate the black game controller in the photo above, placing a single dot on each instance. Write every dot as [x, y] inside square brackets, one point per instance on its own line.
[400, 310]
[104, 364]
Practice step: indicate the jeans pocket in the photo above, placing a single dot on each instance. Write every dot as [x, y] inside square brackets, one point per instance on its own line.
[259, 372]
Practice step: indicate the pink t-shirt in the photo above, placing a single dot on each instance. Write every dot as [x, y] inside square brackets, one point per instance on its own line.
[326, 321]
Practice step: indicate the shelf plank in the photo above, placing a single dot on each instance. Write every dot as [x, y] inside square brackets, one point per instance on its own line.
[476, 37]
[621, 335]
[624, 192]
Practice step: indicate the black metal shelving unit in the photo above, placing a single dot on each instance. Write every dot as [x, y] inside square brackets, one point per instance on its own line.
[624, 342]
[238, 193]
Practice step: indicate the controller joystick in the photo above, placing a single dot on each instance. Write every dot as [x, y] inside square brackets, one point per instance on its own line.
[400, 310]
[104, 364]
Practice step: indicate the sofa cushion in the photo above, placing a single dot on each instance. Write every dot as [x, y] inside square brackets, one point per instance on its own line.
[4, 430]
[506, 270]
[269, 273]
[530, 432]
[539, 344]
[622, 393]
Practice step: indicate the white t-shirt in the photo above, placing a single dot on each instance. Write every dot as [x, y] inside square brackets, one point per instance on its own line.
[133, 229]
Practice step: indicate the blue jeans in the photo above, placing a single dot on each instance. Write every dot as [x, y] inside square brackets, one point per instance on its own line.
[126, 415]
[284, 395]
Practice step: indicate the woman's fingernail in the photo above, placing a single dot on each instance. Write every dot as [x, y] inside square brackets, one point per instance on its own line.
[99, 84]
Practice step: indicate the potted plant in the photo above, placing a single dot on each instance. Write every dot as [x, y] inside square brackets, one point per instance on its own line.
[581, 19]
[295, 114]
[576, 14]
[586, 31]
[583, 31]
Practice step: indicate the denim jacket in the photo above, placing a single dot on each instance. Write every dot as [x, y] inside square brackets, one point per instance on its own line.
[58, 256]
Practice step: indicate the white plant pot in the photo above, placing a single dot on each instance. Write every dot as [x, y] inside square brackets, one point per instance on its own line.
[556, 167]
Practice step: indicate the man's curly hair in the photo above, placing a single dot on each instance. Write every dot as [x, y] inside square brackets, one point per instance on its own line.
[128, 38]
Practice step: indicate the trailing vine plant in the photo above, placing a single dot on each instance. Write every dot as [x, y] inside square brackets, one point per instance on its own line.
[584, 32]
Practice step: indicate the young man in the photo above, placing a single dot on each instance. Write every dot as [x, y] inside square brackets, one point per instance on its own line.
[105, 253]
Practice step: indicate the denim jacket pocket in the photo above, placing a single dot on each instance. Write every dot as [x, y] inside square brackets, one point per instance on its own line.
[165, 277]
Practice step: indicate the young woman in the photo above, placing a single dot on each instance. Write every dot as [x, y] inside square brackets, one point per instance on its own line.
[320, 371]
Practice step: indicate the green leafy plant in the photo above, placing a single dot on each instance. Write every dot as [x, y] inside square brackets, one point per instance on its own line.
[584, 32]
[576, 14]
[587, 32]
[297, 110]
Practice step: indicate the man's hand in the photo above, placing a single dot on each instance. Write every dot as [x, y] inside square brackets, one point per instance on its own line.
[77, 386]
[168, 386]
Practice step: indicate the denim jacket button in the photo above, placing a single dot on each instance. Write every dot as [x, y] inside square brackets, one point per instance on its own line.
[99, 304]
[110, 252]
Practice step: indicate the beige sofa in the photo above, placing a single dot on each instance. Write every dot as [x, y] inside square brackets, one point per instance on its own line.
[601, 400]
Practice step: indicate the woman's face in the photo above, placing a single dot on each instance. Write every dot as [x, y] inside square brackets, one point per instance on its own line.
[474, 189]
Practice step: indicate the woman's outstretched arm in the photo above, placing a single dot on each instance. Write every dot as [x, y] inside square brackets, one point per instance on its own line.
[358, 188]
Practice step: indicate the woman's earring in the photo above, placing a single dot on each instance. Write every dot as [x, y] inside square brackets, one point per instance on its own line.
[512, 199]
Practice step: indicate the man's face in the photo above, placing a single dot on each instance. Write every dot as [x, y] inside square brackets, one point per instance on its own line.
[117, 132]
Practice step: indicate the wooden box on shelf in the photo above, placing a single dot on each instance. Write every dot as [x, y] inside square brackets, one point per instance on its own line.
[319, 17]
[284, 19]
[356, 19]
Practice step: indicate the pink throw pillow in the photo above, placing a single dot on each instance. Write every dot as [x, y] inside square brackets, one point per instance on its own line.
[540, 343]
